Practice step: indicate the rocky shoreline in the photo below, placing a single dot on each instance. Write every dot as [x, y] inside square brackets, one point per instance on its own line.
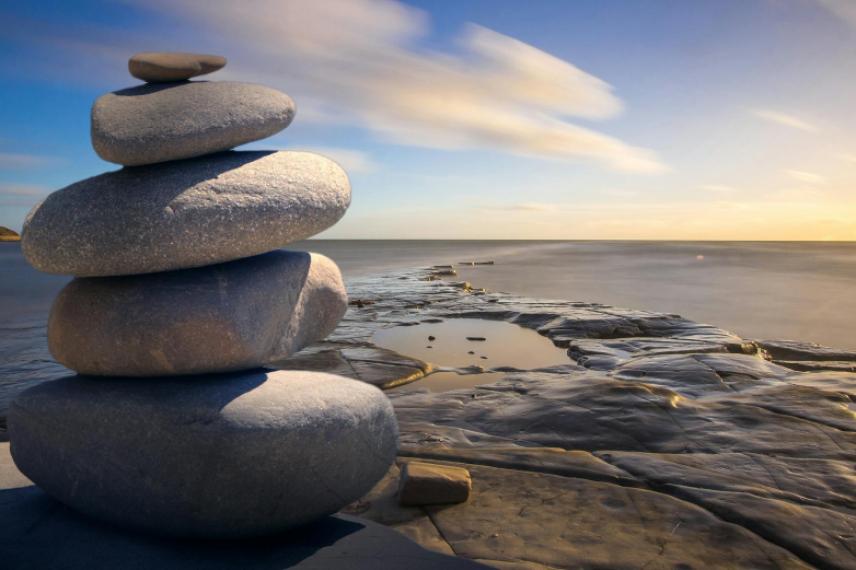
[662, 443]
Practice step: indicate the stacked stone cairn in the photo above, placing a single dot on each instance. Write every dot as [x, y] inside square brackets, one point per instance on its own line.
[180, 300]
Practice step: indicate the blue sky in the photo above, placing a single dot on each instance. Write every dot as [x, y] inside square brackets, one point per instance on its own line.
[602, 119]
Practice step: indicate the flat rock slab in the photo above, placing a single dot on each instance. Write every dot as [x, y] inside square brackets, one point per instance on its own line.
[806, 505]
[221, 318]
[226, 456]
[159, 66]
[155, 123]
[517, 519]
[185, 214]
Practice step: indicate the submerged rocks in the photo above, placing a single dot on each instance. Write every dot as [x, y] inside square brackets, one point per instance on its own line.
[154, 66]
[156, 123]
[185, 214]
[207, 456]
[214, 456]
[231, 316]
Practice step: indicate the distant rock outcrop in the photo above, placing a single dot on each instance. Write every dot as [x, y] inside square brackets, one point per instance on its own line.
[8, 235]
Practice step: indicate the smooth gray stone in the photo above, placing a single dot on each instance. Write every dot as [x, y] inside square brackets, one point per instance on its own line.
[233, 455]
[156, 67]
[155, 123]
[185, 214]
[220, 318]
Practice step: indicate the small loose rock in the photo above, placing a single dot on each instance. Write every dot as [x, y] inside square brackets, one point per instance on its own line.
[432, 484]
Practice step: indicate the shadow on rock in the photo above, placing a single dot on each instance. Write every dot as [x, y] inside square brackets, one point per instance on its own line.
[39, 532]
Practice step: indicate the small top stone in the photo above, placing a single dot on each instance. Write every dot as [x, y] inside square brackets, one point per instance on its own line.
[161, 66]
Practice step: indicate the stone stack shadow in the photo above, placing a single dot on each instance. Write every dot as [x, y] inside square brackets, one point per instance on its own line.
[181, 297]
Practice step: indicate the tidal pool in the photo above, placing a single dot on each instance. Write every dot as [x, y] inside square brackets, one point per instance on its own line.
[456, 343]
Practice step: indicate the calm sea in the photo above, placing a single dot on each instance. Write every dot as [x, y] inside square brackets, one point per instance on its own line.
[802, 291]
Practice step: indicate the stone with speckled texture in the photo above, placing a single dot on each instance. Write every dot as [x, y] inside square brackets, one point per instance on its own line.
[217, 456]
[156, 123]
[156, 67]
[220, 318]
[185, 214]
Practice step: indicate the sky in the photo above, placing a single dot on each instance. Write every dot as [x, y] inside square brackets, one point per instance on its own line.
[487, 119]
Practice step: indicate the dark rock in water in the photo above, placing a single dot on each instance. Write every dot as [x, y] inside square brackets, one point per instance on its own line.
[156, 123]
[186, 214]
[219, 318]
[173, 66]
[431, 337]
[8, 235]
[476, 338]
[804, 351]
[215, 456]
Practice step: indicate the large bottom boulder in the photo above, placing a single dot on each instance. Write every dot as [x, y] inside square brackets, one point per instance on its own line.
[232, 455]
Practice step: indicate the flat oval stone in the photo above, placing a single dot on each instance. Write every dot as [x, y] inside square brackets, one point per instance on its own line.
[220, 318]
[185, 214]
[155, 123]
[214, 456]
[154, 66]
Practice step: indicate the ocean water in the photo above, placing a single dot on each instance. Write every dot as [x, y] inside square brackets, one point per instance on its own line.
[781, 290]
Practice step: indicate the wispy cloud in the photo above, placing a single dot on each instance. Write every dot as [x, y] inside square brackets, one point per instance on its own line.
[807, 177]
[785, 119]
[621, 193]
[8, 189]
[21, 195]
[719, 188]
[16, 160]
[525, 207]
[353, 161]
[843, 9]
[360, 62]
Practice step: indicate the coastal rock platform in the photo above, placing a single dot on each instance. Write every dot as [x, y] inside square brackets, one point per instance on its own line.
[662, 443]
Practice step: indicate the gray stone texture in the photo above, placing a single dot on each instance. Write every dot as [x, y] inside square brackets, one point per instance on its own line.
[185, 214]
[155, 123]
[234, 455]
[220, 318]
[155, 67]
